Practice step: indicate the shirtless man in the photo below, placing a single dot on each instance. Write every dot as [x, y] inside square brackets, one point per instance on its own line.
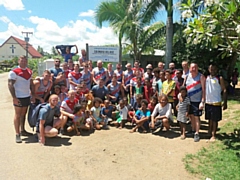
[20, 85]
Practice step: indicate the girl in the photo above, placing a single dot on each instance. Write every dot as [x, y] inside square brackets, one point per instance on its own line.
[79, 121]
[122, 115]
[183, 109]
[96, 113]
[164, 111]
[141, 116]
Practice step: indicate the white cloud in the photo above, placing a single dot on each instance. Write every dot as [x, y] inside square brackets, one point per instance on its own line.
[47, 33]
[4, 19]
[12, 4]
[29, 11]
[89, 13]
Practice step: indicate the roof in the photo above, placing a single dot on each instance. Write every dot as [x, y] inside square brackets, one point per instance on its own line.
[31, 50]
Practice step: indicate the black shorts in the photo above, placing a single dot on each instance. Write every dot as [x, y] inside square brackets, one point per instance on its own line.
[24, 102]
[213, 113]
[194, 109]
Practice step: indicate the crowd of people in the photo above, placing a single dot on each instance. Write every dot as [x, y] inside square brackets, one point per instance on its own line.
[80, 97]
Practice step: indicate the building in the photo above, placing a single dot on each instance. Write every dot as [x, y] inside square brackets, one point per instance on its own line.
[15, 47]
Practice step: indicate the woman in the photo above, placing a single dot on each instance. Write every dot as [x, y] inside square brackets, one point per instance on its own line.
[164, 111]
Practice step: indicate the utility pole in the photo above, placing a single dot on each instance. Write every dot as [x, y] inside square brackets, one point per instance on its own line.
[27, 40]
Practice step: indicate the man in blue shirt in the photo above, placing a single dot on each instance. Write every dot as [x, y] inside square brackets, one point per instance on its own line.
[46, 125]
[100, 90]
[68, 55]
[56, 69]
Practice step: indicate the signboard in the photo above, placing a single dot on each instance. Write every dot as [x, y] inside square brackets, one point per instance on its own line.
[106, 54]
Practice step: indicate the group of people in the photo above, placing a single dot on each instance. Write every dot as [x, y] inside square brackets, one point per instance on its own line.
[82, 97]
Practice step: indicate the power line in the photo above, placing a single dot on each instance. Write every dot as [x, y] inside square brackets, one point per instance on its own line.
[27, 40]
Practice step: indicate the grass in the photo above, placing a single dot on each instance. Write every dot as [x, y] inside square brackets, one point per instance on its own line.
[221, 159]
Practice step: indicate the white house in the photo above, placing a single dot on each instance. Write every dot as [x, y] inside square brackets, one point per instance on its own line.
[15, 47]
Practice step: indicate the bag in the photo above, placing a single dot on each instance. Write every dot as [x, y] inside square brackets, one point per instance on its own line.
[33, 113]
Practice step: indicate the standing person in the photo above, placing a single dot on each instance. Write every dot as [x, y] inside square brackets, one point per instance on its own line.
[137, 67]
[149, 72]
[234, 77]
[172, 67]
[87, 76]
[213, 107]
[183, 109]
[66, 71]
[83, 58]
[161, 66]
[185, 67]
[100, 72]
[179, 82]
[157, 83]
[90, 65]
[148, 90]
[119, 72]
[70, 65]
[56, 69]
[195, 83]
[46, 125]
[74, 77]
[110, 72]
[68, 55]
[168, 86]
[127, 76]
[20, 85]
[114, 89]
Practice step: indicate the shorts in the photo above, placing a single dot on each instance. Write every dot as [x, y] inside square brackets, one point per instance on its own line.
[24, 102]
[213, 113]
[194, 109]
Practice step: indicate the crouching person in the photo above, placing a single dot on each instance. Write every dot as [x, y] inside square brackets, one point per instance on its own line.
[47, 125]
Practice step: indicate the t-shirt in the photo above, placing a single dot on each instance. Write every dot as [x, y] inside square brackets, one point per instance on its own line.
[100, 92]
[161, 111]
[79, 119]
[96, 112]
[47, 113]
[123, 112]
[22, 79]
[150, 107]
[167, 86]
[55, 71]
[67, 56]
[141, 114]
[107, 111]
[68, 105]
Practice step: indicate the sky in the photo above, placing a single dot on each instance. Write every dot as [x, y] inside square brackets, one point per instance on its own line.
[55, 22]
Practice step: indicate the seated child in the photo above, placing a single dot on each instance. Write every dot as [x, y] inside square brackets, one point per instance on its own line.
[142, 117]
[136, 106]
[106, 111]
[153, 103]
[121, 115]
[96, 113]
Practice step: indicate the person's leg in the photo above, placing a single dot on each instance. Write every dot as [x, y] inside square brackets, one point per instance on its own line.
[183, 130]
[197, 124]
[210, 127]
[17, 119]
[166, 123]
[63, 121]
[193, 124]
[22, 118]
[50, 131]
[214, 130]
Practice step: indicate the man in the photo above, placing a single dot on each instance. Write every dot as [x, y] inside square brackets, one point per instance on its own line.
[42, 87]
[137, 67]
[83, 58]
[213, 107]
[148, 74]
[74, 77]
[100, 72]
[161, 66]
[20, 85]
[100, 90]
[172, 67]
[67, 110]
[195, 83]
[46, 125]
[56, 69]
[119, 72]
[185, 68]
[68, 55]
[157, 83]
[127, 76]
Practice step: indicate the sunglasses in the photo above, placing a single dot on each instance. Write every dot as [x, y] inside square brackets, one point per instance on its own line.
[86, 66]
[57, 61]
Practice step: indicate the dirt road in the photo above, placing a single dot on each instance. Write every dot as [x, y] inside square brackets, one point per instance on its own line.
[106, 154]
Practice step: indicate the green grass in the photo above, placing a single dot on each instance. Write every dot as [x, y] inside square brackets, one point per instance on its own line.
[221, 159]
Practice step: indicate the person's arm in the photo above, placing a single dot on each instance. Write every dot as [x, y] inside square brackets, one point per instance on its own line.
[76, 49]
[12, 91]
[203, 84]
[58, 51]
[91, 78]
[37, 85]
[48, 92]
[94, 80]
[154, 113]
[222, 83]
[70, 115]
[172, 88]
[107, 77]
[41, 131]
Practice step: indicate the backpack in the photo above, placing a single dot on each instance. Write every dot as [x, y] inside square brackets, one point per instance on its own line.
[33, 113]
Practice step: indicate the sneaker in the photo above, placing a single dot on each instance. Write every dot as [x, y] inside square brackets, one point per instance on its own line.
[196, 137]
[190, 133]
[61, 132]
[18, 138]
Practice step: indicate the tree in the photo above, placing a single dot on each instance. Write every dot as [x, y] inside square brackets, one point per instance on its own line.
[54, 51]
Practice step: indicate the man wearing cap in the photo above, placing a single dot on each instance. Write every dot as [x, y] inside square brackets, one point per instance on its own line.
[148, 74]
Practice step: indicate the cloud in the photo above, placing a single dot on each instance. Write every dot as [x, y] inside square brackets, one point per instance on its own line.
[89, 13]
[29, 11]
[4, 19]
[12, 4]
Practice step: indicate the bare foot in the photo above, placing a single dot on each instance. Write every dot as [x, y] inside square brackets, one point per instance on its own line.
[213, 139]
[182, 137]
[78, 133]
[132, 131]
[120, 127]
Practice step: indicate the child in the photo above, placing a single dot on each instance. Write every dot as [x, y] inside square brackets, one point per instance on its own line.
[106, 112]
[136, 106]
[148, 90]
[122, 115]
[183, 109]
[79, 119]
[96, 113]
[152, 104]
[141, 116]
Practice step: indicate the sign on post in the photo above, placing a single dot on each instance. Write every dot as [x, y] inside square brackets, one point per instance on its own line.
[106, 54]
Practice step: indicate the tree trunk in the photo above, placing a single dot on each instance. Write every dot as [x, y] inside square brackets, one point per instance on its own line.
[120, 51]
[232, 64]
[169, 41]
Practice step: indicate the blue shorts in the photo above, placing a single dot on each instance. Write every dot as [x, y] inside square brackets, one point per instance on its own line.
[194, 109]
[213, 113]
